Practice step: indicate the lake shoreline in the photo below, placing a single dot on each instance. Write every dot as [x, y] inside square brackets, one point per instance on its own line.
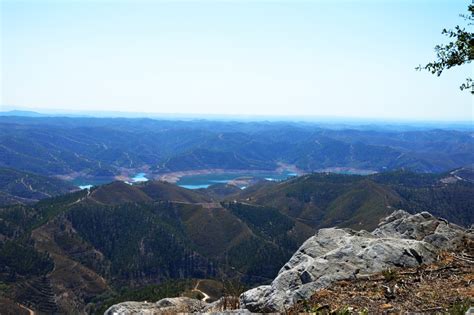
[130, 176]
[174, 177]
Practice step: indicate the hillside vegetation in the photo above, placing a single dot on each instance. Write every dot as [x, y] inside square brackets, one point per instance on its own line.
[117, 236]
[107, 147]
[325, 199]
[23, 187]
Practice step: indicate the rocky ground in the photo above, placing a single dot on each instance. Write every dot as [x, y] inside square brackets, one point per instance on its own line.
[445, 286]
[178, 305]
[402, 240]
[410, 263]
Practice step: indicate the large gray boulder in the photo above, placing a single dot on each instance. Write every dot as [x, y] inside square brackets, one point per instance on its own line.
[401, 240]
[422, 227]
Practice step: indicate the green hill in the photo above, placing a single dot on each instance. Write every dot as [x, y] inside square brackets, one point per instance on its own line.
[324, 200]
[119, 235]
[120, 192]
[117, 193]
[93, 246]
[23, 187]
[159, 190]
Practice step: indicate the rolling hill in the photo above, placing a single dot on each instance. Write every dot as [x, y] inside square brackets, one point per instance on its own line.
[119, 235]
[359, 202]
[83, 249]
[23, 187]
[106, 147]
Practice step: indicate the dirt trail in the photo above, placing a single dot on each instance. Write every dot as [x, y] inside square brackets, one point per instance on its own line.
[206, 297]
[26, 308]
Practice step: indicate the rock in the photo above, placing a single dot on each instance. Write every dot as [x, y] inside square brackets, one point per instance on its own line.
[401, 240]
[219, 306]
[130, 308]
[164, 306]
[181, 305]
[423, 227]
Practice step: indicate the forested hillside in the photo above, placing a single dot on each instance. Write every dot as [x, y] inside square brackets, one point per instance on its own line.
[325, 199]
[104, 147]
[236, 157]
[23, 187]
[119, 236]
[134, 238]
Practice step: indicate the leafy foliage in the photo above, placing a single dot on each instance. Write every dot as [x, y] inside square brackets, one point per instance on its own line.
[458, 52]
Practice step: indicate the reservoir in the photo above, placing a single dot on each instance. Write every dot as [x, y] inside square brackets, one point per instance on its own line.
[206, 180]
[140, 177]
[89, 182]
[192, 181]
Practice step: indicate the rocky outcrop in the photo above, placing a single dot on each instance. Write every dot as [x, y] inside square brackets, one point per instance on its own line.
[164, 306]
[401, 240]
[422, 227]
[178, 305]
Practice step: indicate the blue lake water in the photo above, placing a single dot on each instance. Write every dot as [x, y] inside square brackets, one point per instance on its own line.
[140, 177]
[206, 180]
[87, 183]
[189, 182]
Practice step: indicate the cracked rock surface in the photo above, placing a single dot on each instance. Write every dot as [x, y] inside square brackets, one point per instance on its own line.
[401, 240]
[333, 254]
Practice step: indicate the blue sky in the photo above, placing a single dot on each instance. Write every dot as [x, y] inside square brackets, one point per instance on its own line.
[301, 58]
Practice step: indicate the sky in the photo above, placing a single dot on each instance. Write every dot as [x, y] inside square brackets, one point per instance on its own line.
[353, 59]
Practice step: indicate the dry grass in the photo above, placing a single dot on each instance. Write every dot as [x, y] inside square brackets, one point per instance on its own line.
[446, 286]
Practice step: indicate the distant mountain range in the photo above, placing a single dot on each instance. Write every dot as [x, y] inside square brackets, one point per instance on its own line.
[64, 250]
[101, 147]
[22, 113]
[333, 122]
[118, 236]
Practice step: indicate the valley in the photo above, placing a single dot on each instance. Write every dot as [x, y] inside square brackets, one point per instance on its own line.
[144, 235]
[241, 179]
[195, 179]
[236, 157]
[151, 209]
[120, 148]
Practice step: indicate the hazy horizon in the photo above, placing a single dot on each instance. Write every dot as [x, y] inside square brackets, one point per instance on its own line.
[323, 120]
[321, 59]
